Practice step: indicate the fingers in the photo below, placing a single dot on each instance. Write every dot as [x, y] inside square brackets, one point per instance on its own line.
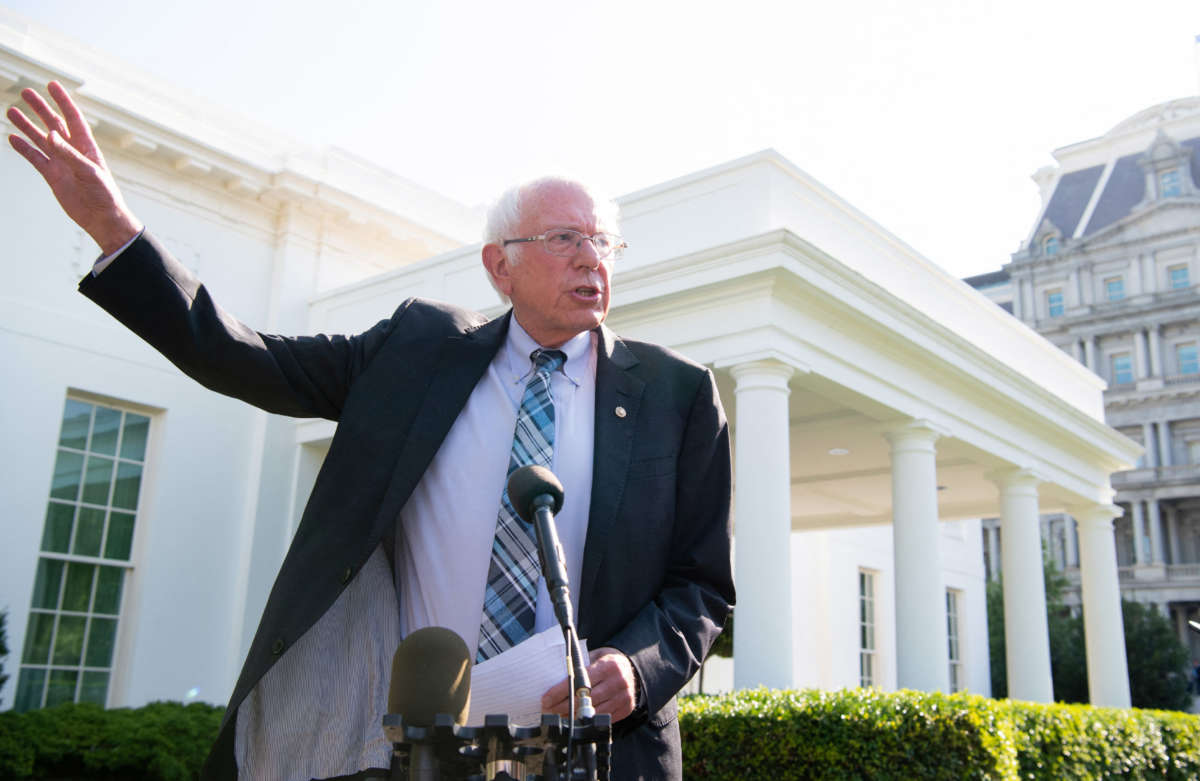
[78, 130]
[26, 126]
[50, 119]
[555, 699]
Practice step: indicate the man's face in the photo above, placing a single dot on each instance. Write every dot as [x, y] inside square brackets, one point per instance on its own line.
[554, 297]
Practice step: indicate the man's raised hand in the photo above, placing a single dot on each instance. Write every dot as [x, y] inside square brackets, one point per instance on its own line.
[67, 157]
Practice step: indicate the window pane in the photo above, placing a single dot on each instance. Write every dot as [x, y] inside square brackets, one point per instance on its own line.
[37, 638]
[68, 469]
[89, 531]
[94, 687]
[102, 635]
[129, 480]
[29, 690]
[105, 430]
[68, 642]
[98, 480]
[78, 590]
[62, 687]
[133, 441]
[1178, 277]
[1188, 360]
[47, 583]
[120, 535]
[108, 590]
[56, 537]
[76, 417]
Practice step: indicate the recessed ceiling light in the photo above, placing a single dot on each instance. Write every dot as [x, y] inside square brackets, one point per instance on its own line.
[839, 451]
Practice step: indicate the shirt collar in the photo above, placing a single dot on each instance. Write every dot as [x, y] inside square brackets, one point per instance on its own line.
[519, 345]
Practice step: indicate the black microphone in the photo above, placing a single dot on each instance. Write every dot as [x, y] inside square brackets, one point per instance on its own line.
[431, 674]
[536, 495]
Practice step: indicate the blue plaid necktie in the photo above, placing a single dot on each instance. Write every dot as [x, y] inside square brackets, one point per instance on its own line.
[510, 599]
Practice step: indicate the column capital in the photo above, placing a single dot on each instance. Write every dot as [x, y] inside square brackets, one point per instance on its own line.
[1012, 478]
[914, 432]
[763, 373]
[1095, 516]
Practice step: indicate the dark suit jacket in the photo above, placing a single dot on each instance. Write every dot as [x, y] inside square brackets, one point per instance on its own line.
[656, 581]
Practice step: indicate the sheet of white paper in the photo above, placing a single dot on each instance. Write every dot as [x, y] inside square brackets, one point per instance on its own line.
[512, 683]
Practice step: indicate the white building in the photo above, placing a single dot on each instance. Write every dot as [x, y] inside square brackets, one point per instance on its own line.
[876, 402]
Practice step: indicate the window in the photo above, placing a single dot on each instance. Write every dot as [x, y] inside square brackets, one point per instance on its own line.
[953, 598]
[87, 541]
[1177, 277]
[1054, 302]
[867, 674]
[1050, 246]
[1122, 369]
[1185, 354]
[1114, 288]
[1170, 184]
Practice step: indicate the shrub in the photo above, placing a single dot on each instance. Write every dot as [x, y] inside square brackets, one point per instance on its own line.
[866, 734]
[162, 741]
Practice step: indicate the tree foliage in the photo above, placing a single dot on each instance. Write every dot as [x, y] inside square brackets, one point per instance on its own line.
[1156, 658]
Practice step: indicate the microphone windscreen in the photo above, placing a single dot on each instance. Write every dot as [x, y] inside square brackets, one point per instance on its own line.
[528, 483]
[431, 674]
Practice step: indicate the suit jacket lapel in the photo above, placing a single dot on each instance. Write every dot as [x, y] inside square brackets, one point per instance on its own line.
[455, 370]
[616, 387]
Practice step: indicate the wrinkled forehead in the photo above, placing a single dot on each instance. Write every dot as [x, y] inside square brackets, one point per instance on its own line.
[565, 205]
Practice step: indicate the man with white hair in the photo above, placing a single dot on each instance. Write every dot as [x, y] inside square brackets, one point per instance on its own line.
[402, 530]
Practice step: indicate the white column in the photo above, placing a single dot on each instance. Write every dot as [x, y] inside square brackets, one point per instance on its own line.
[995, 558]
[1085, 284]
[1077, 350]
[1104, 633]
[921, 660]
[1173, 535]
[1164, 443]
[1139, 354]
[1155, 352]
[1154, 521]
[1150, 457]
[1026, 635]
[763, 522]
[1072, 543]
[1090, 352]
[1139, 533]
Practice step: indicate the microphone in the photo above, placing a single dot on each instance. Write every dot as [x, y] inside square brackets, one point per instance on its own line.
[536, 495]
[431, 674]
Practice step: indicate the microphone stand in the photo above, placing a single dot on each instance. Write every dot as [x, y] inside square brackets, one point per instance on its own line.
[581, 764]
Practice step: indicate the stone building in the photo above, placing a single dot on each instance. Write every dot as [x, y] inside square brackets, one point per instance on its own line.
[1108, 273]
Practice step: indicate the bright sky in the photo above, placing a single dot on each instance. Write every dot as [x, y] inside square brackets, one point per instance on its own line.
[928, 115]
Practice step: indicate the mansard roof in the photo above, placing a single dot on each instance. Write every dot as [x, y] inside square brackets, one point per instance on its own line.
[1103, 180]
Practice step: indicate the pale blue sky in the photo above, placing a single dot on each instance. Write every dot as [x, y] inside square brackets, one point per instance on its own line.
[929, 115]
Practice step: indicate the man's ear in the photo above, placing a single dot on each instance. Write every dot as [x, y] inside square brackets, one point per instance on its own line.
[498, 268]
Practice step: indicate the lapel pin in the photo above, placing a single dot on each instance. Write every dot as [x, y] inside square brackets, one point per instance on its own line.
[620, 412]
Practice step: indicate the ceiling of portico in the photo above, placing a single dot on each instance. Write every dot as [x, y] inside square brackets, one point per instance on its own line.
[840, 460]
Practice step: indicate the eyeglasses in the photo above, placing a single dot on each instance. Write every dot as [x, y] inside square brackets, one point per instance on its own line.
[566, 242]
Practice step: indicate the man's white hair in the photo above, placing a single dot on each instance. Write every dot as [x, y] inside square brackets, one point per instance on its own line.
[504, 215]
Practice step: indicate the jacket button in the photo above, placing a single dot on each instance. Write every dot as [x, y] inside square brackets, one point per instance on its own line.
[277, 647]
[347, 574]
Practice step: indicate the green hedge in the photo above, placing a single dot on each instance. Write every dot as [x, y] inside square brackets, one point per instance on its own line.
[866, 734]
[162, 741]
[757, 734]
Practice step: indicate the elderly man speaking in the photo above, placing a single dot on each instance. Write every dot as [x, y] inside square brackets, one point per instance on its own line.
[409, 524]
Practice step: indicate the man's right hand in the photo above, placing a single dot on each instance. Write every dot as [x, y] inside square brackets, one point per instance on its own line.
[67, 157]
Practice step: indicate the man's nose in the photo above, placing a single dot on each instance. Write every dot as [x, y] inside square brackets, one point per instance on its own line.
[586, 255]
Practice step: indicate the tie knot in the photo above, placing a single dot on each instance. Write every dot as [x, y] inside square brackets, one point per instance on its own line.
[547, 361]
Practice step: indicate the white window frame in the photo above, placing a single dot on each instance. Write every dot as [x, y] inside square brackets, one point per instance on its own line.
[1113, 371]
[51, 557]
[868, 626]
[1055, 309]
[1172, 283]
[955, 667]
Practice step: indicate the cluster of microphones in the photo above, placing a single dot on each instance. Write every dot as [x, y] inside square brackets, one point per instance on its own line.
[430, 693]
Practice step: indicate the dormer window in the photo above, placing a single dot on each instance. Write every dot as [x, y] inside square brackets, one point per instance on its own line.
[1050, 246]
[1170, 184]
